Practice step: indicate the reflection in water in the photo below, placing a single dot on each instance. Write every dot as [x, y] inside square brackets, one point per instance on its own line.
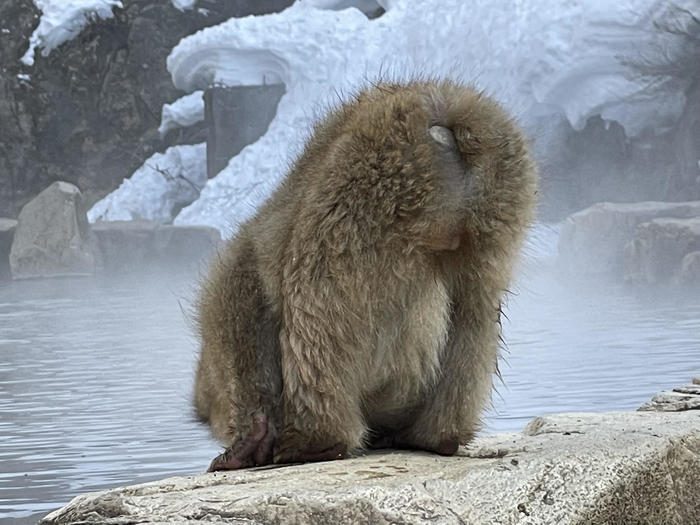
[95, 377]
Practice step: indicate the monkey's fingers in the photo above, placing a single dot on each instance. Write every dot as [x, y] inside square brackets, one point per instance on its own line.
[241, 454]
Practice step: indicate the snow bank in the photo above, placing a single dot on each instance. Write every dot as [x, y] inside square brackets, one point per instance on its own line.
[544, 59]
[157, 190]
[61, 20]
[183, 112]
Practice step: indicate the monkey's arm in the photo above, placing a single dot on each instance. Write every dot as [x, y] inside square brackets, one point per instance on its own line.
[320, 361]
[450, 415]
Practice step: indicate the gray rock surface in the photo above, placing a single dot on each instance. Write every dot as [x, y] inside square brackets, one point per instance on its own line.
[130, 246]
[593, 240]
[52, 235]
[7, 232]
[679, 399]
[657, 253]
[640, 467]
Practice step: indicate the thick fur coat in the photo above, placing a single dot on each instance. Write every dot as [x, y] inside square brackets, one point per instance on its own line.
[360, 305]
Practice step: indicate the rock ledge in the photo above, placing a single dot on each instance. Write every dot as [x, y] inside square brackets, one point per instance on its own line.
[638, 467]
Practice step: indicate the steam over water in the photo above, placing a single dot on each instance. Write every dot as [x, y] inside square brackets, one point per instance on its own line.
[96, 376]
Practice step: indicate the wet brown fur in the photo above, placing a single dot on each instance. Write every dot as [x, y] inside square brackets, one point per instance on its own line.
[360, 305]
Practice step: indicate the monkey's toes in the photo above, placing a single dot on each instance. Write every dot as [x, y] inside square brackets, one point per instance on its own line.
[254, 449]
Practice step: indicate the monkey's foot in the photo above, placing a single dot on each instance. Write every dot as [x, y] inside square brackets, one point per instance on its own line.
[254, 449]
[447, 446]
[291, 454]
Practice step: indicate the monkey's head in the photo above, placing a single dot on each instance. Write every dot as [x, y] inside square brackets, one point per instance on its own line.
[427, 165]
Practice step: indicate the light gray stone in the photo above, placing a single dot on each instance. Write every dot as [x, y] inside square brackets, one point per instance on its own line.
[640, 467]
[690, 268]
[131, 246]
[7, 232]
[657, 252]
[673, 401]
[592, 241]
[52, 235]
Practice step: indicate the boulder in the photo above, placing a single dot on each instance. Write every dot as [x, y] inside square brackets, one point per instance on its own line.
[129, 246]
[640, 467]
[677, 400]
[52, 235]
[593, 240]
[7, 232]
[658, 251]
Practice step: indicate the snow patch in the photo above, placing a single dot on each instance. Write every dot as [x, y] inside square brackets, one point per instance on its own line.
[62, 20]
[545, 60]
[158, 189]
[183, 112]
[182, 5]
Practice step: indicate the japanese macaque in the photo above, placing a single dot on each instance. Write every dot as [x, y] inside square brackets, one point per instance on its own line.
[360, 306]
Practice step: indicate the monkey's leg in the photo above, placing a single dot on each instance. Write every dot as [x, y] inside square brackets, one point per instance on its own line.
[323, 417]
[322, 375]
[450, 415]
[239, 379]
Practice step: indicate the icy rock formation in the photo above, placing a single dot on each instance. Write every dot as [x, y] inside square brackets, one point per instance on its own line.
[543, 60]
[62, 20]
[184, 112]
[158, 189]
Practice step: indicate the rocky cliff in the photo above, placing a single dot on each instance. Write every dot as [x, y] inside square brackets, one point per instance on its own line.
[88, 113]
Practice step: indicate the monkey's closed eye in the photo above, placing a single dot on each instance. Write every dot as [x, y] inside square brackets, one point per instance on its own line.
[444, 136]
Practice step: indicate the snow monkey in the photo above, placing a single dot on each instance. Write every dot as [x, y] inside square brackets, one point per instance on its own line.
[360, 306]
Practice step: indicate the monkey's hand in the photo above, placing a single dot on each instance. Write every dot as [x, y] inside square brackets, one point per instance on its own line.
[253, 450]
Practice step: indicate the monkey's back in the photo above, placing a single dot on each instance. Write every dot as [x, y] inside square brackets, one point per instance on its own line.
[379, 264]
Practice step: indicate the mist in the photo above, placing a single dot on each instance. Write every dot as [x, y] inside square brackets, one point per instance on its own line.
[97, 370]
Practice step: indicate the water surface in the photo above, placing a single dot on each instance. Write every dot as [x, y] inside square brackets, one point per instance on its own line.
[95, 376]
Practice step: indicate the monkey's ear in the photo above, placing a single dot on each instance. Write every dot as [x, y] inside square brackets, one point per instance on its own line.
[443, 136]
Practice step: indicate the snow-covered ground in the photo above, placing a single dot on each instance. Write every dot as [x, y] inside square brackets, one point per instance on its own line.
[62, 20]
[544, 59]
[158, 189]
[184, 112]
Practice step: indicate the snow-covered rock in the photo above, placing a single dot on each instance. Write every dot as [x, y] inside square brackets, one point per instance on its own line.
[184, 112]
[62, 20]
[542, 59]
[158, 189]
